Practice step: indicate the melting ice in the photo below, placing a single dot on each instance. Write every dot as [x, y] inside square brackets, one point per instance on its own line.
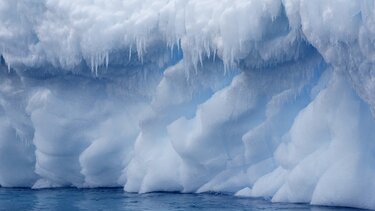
[270, 98]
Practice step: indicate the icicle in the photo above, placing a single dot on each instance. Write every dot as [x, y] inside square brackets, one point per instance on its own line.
[92, 64]
[130, 52]
[106, 60]
[214, 56]
[200, 58]
[140, 48]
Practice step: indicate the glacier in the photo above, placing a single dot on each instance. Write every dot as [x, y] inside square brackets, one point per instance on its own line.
[271, 98]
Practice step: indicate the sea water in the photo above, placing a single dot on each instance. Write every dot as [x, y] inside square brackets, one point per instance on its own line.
[116, 199]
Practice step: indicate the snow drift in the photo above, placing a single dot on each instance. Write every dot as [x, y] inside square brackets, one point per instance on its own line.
[270, 98]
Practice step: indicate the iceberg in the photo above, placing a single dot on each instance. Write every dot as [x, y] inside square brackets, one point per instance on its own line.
[271, 98]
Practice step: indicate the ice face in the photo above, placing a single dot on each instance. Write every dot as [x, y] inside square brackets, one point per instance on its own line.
[268, 98]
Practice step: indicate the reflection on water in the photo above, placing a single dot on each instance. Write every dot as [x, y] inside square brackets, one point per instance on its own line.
[116, 199]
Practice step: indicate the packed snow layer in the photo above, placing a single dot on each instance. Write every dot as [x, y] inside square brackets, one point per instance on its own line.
[269, 98]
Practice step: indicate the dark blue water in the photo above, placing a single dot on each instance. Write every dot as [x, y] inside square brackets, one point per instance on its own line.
[117, 199]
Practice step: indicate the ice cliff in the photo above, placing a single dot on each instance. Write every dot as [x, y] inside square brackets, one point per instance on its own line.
[271, 98]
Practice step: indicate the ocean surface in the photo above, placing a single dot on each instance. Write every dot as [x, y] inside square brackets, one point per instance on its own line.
[116, 199]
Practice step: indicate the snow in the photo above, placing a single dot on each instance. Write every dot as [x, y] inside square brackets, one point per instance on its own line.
[268, 98]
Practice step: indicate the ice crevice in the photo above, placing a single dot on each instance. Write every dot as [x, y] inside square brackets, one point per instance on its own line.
[268, 98]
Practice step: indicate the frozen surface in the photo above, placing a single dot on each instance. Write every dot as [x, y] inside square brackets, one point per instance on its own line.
[271, 98]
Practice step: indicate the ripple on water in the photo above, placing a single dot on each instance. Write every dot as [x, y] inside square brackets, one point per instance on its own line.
[115, 199]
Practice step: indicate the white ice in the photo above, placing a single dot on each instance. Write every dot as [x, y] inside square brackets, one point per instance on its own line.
[271, 98]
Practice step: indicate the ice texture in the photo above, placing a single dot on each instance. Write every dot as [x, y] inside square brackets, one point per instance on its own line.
[271, 98]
